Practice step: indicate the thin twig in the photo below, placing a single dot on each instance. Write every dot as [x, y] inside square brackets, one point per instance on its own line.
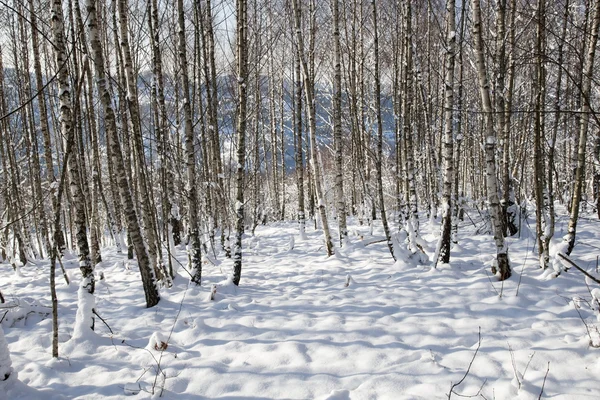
[514, 364]
[544, 383]
[524, 262]
[527, 366]
[468, 369]
[159, 369]
[181, 265]
[470, 396]
[568, 300]
[491, 283]
[102, 319]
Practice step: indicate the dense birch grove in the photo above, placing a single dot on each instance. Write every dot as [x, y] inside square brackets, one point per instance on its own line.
[148, 125]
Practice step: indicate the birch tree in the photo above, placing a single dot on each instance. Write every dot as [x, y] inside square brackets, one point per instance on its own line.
[146, 207]
[586, 85]
[192, 197]
[308, 79]
[411, 213]
[241, 115]
[543, 228]
[298, 146]
[337, 122]
[502, 265]
[87, 285]
[448, 145]
[133, 226]
[379, 156]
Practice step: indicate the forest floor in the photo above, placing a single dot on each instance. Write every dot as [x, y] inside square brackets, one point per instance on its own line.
[293, 329]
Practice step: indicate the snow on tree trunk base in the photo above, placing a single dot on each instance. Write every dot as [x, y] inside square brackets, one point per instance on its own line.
[84, 338]
[7, 373]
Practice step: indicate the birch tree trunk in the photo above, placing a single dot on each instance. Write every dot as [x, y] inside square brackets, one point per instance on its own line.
[508, 200]
[499, 66]
[241, 115]
[502, 264]
[163, 148]
[87, 284]
[543, 228]
[308, 78]
[337, 123]
[412, 222]
[133, 226]
[558, 98]
[299, 150]
[448, 144]
[43, 111]
[192, 196]
[379, 156]
[586, 86]
[212, 96]
[457, 210]
[136, 130]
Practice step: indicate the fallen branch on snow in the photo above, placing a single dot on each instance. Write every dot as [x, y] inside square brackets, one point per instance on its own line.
[571, 262]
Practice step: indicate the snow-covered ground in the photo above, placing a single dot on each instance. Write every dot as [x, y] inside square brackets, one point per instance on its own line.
[295, 330]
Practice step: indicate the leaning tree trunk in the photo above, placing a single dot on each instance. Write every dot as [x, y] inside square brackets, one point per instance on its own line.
[583, 128]
[153, 244]
[241, 115]
[133, 226]
[503, 266]
[43, 111]
[308, 77]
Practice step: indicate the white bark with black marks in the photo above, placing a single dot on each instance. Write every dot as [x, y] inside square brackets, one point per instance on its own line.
[448, 139]
[241, 115]
[583, 128]
[308, 79]
[502, 265]
[133, 226]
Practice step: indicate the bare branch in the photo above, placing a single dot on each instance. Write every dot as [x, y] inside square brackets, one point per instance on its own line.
[467, 372]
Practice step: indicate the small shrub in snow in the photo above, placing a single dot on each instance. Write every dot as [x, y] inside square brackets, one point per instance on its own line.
[157, 342]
